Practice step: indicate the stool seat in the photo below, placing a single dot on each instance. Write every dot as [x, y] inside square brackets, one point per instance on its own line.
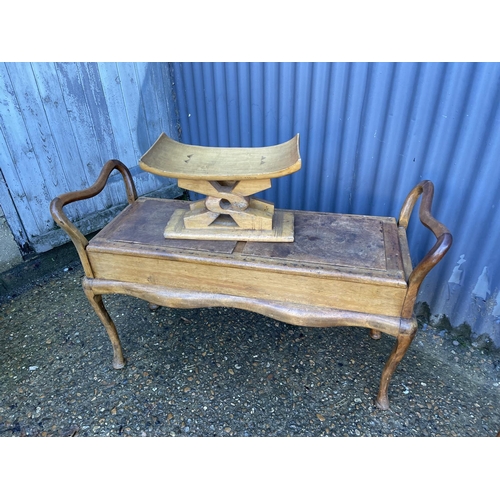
[170, 158]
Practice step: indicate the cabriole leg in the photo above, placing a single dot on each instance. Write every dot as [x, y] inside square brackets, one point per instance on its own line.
[402, 344]
[97, 304]
[374, 334]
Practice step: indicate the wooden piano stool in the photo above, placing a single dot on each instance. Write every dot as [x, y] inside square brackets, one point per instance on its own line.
[339, 270]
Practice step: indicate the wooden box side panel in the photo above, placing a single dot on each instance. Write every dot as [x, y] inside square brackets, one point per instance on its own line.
[405, 251]
[253, 283]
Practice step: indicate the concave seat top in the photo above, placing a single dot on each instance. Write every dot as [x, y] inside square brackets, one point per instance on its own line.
[170, 158]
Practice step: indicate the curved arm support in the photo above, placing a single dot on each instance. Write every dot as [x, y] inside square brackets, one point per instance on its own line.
[60, 218]
[436, 253]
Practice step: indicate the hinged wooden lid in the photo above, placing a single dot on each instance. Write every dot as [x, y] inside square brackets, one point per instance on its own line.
[351, 248]
[170, 158]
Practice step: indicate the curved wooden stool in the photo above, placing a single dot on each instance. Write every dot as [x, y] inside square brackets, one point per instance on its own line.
[228, 177]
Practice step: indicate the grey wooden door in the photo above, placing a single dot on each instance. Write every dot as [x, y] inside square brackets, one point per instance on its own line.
[59, 124]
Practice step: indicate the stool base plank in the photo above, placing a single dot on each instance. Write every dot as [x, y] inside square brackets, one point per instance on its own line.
[224, 229]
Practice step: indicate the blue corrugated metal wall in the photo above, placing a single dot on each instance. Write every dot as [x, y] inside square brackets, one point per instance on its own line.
[368, 134]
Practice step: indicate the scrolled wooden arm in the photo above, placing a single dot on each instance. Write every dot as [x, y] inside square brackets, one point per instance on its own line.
[60, 218]
[436, 253]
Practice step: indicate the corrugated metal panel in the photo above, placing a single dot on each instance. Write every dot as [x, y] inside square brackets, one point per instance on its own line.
[59, 124]
[369, 133]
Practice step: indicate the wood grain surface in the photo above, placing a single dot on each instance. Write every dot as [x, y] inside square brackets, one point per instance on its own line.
[184, 161]
[339, 270]
[346, 262]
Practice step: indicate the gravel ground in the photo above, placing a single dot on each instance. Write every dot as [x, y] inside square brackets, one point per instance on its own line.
[226, 372]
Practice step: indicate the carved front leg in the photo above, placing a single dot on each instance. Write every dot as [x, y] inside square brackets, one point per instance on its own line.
[402, 344]
[97, 304]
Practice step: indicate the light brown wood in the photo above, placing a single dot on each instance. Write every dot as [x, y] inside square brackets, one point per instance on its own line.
[310, 270]
[295, 314]
[257, 215]
[227, 176]
[96, 302]
[225, 198]
[405, 252]
[232, 191]
[436, 253]
[340, 270]
[184, 161]
[60, 218]
[179, 227]
[400, 347]
[251, 283]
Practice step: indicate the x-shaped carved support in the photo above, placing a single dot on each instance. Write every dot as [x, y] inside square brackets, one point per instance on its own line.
[230, 198]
